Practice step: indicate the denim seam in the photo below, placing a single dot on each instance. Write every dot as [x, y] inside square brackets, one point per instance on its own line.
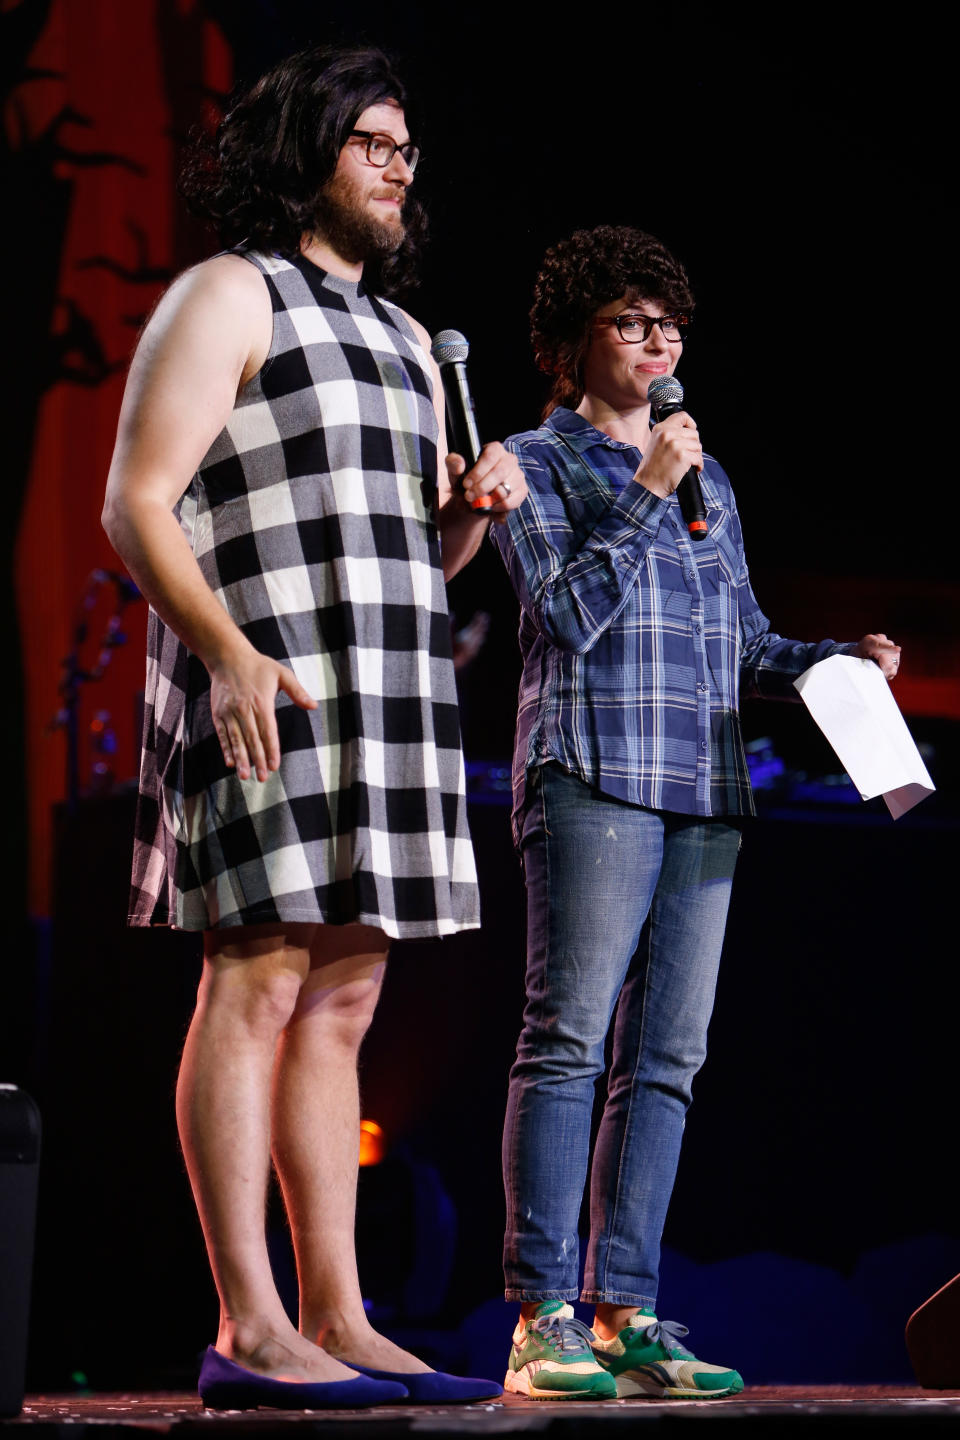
[618, 1192]
[546, 865]
[550, 950]
[518, 1292]
[526, 1296]
[617, 1297]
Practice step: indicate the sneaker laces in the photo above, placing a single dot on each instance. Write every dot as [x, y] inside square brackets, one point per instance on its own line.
[566, 1332]
[669, 1334]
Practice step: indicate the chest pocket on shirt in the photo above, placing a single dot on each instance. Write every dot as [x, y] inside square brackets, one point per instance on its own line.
[586, 495]
[728, 552]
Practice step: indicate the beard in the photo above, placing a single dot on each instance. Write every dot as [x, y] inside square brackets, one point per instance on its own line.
[344, 222]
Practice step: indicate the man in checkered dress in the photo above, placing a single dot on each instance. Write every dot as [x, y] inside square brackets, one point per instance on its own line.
[278, 492]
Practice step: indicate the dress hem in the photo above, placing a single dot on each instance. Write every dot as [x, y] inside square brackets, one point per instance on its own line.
[427, 930]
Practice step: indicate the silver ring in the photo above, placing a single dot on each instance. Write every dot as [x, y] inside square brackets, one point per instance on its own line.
[504, 486]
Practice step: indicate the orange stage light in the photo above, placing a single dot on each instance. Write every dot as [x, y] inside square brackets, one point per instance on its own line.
[373, 1144]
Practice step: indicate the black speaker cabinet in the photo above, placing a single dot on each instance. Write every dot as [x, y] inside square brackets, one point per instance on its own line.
[19, 1159]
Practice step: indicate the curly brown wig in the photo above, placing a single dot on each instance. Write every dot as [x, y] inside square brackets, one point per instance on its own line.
[258, 180]
[580, 275]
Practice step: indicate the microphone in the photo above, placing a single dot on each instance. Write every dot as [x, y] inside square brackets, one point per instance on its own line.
[666, 398]
[450, 350]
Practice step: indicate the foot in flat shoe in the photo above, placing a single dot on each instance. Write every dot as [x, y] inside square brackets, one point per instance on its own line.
[353, 1343]
[436, 1387]
[225, 1385]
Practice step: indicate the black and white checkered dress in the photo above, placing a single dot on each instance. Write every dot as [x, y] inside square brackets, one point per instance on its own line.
[310, 518]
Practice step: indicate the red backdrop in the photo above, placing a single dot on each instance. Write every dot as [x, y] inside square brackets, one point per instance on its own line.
[98, 125]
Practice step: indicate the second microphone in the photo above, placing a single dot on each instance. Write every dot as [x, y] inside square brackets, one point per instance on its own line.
[450, 350]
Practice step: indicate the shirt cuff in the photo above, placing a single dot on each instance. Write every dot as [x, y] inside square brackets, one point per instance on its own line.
[638, 508]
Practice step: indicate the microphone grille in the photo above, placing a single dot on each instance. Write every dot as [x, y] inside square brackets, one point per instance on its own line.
[449, 345]
[665, 390]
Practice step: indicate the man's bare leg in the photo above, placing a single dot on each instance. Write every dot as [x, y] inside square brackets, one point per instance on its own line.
[316, 1141]
[251, 982]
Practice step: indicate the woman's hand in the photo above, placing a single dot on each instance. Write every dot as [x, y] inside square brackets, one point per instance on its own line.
[496, 478]
[883, 651]
[673, 448]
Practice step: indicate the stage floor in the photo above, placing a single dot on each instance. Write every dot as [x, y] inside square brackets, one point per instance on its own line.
[789, 1409]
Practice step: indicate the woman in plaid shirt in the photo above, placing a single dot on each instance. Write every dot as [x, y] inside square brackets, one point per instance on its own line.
[630, 784]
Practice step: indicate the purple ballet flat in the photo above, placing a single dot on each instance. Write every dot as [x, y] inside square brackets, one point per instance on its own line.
[435, 1387]
[226, 1386]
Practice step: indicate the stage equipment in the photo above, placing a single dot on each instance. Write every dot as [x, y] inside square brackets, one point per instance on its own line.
[933, 1338]
[74, 675]
[19, 1158]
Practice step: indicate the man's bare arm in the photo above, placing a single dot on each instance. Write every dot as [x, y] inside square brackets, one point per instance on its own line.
[208, 336]
[462, 528]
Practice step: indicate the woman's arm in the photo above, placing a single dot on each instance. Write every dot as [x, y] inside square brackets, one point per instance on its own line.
[769, 663]
[574, 584]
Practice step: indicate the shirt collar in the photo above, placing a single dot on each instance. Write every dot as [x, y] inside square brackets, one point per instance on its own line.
[580, 433]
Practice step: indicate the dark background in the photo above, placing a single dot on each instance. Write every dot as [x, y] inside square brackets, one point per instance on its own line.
[794, 158]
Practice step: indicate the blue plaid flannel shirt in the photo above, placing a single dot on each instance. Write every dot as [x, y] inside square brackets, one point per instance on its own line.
[637, 642]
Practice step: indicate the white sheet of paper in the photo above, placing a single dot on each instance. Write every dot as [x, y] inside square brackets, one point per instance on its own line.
[854, 707]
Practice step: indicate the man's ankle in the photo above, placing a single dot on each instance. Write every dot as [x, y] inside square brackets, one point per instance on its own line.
[248, 1343]
[332, 1330]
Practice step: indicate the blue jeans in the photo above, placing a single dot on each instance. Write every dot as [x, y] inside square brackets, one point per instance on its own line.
[622, 904]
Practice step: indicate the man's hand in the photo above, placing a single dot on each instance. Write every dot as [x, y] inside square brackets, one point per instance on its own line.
[497, 474]
[673, 448]
[883, 651]
[243, 697]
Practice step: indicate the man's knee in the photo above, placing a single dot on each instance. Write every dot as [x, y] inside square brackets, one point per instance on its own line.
[353, 1008]
[258, 991]
[341, 1006]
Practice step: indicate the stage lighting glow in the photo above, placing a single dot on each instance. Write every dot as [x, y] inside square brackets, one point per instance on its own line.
[373, 1143]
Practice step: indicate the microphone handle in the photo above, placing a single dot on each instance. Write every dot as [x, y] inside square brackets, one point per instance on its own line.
[462, 432]
[461, 424]
[689, 494]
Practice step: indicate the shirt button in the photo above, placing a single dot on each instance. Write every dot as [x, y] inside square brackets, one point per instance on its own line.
[699, 629]
[703, 744]
[703, 685]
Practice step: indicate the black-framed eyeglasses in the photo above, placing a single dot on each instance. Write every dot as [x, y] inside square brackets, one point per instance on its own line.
[635, 329]
[382, 148]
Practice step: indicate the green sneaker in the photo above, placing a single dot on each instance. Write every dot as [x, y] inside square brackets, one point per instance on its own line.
[647, 1359]
[551, 1358]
